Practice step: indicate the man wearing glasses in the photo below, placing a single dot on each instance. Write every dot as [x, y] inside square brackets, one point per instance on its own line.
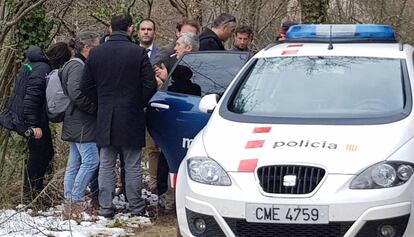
[223, 28]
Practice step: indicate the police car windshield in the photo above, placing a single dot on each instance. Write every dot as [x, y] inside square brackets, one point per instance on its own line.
[322, 87]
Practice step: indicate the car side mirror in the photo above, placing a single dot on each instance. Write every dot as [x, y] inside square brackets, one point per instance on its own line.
[208, 103]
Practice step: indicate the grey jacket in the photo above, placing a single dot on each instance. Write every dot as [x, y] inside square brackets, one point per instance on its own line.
[79, 124]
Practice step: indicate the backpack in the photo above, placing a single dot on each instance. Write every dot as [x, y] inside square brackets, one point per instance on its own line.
[57, 95]
[12, 118]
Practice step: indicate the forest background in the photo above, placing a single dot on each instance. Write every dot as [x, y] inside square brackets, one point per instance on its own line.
[42, 22]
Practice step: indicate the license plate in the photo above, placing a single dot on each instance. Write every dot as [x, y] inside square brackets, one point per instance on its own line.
[287, 214]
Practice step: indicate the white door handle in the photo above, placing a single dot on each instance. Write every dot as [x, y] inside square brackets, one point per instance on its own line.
[159, 106]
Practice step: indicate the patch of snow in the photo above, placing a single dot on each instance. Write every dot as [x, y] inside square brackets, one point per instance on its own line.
[50, 222]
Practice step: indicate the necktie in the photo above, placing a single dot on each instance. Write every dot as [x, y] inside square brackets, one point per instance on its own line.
[148, 52]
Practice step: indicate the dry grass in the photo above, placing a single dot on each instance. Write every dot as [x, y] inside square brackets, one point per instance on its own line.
[163, 226]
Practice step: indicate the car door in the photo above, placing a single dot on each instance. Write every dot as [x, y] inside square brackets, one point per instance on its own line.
[173, 117]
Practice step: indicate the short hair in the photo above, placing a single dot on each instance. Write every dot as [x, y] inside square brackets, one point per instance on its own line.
[190, 39]
[83, 39]
[58, 54]
[189, 22]
[244, 30]
[223, 19]
[147, 19]
[121, 22]
[287, 24]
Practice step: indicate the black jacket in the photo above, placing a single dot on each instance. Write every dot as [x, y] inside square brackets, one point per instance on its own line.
[210, 41]
[34, 103]
[119, 76]
[79, 124]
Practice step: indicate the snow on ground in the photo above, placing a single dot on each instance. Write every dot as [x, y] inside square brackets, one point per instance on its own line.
[50, 222]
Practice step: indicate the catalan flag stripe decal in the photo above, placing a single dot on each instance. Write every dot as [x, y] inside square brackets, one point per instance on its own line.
[294, 45]
[289, 52]
[255, 144]
[262, 129]
[247, 165]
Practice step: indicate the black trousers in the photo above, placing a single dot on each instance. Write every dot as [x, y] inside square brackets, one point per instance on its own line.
[40, 154]
[162, 174]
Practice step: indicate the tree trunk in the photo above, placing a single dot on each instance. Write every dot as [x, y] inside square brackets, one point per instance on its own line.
[196, 11]
[314, 11]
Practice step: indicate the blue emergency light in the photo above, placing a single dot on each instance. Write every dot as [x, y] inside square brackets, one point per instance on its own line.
[341, 33]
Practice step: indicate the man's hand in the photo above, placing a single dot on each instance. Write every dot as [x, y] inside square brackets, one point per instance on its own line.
[159, 82]
[37, 133]
[161, 72]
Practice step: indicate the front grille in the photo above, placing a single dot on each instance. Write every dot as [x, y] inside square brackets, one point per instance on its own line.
[307, 178]
[242, 228]
[372, 228]
[212, 228]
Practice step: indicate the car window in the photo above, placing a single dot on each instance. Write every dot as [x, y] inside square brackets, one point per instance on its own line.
[205, 73]
[322, 87]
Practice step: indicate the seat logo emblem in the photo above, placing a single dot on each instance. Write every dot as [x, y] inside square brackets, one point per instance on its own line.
[289, 180]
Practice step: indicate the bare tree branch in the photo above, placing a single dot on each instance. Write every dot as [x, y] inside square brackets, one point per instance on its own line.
[61, 21]
[272, 17]
[99, 20]
[131, 5]
[22, 14]
[180, 8]
[400, 14]
[149, 3]
[91, 14]
[6, 28]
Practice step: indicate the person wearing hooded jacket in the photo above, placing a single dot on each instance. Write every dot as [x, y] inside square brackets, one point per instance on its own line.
[40, 146]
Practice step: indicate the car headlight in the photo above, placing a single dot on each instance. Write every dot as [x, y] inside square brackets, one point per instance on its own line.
[207, 171]
[383, 175]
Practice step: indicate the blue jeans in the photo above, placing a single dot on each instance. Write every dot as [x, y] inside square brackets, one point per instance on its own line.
[82, 164]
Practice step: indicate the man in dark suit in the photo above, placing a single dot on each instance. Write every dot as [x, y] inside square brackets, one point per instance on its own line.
[118, 76]
[146, 36]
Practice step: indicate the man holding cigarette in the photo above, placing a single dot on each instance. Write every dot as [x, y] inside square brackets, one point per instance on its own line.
[165, 54]
[164, 60]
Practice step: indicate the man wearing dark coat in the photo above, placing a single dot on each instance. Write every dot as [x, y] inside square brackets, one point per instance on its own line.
[223, 27]
[118, 75]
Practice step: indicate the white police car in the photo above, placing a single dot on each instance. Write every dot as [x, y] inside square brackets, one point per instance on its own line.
[313, 138]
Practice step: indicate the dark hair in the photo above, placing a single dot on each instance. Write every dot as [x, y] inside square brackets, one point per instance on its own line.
[58, 54]
[287, 24]
[244, 30]
[189, 22]
[146, 19]
[121, 22]
[223, 19]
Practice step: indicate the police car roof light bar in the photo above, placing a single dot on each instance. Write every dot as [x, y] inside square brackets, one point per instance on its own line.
[341, 33]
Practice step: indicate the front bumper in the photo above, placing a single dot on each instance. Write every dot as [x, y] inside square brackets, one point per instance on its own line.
[352, 213]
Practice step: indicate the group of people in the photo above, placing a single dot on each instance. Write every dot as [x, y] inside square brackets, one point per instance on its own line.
[109, 81]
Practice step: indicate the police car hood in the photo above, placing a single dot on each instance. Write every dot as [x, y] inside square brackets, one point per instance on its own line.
[341, 149]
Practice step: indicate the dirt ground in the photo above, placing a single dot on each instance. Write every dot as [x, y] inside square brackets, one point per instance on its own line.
[163, 226]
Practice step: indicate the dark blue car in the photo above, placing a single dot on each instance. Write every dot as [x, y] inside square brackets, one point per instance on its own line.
[173, 116]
